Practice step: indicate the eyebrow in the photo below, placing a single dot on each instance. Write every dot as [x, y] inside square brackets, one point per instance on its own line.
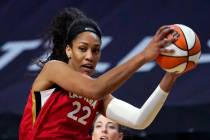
[107, 122]
[99, 122]
[84, 43]
[110, 123]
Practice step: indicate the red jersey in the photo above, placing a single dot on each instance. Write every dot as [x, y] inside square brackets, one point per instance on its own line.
[57, 114]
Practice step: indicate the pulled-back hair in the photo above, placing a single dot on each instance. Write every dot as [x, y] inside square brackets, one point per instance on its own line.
[65, 26]
[58, 32]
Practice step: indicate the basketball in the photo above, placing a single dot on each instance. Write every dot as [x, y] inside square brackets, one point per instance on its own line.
[187, 51]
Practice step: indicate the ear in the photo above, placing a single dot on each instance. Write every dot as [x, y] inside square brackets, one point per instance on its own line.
[68, 51]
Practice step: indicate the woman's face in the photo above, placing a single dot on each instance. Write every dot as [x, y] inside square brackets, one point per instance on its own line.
[106, 129]
[84, 52]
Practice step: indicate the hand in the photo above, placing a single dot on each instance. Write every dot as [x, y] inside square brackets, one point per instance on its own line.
[172, 76]
[168, 80]
[159, 40]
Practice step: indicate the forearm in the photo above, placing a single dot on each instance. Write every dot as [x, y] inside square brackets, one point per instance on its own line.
[114, 78]
[168, 81]
[117, 110]
[81, 84]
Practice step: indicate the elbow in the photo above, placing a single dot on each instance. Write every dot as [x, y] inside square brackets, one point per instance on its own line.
[136, 125]
[141, 126]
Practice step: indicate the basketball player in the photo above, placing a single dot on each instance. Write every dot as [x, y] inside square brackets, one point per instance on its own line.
[106, 129]
[64, 98]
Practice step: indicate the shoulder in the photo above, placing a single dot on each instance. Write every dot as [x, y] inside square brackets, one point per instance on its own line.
[53, 67]
[44, 78]
[53, 63]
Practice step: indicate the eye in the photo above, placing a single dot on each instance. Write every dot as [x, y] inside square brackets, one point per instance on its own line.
[97, 126]
[82, 49]
[96, 50]
[112, 127]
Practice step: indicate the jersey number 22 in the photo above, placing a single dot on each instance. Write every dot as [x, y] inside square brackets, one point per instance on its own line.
[78, 108]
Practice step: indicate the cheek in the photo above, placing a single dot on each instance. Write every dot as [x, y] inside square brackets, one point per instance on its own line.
[77, 57]
[114, 135]
[96, 134]
[97, 58]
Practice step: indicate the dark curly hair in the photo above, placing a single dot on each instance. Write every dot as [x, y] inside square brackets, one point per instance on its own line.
[65, 26]
[59, 30]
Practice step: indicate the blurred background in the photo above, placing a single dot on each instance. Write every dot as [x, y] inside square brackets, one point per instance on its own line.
[127, 26]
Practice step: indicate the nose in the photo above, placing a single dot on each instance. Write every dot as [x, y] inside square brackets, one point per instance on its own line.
[89, 56]
[104, 129]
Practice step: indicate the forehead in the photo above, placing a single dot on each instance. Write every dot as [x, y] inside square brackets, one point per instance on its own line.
[87, 37]
[103, 119]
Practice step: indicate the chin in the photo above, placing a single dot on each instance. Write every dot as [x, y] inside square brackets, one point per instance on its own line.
[87, 74]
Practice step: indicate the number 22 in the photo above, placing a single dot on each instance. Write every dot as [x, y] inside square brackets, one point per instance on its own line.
[73, 113]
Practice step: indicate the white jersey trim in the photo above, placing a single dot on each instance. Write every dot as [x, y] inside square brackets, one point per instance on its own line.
[45, 95]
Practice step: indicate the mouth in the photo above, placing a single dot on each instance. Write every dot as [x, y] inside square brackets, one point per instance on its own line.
[88, 68]
[104, 138]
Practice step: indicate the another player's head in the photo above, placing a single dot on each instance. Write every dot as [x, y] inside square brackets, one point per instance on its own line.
[106, 129]
[76, 40]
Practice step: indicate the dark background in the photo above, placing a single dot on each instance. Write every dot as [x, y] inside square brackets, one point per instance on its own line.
[126, 24]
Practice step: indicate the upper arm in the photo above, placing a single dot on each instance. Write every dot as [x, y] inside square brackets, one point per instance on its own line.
[61, 74]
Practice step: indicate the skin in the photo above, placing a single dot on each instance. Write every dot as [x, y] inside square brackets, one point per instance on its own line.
[106, 129]
[84, 54]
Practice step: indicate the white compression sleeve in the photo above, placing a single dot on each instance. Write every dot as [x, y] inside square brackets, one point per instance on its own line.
[133, 117]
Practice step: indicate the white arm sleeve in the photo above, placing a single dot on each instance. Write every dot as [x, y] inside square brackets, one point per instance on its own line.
[130, 116]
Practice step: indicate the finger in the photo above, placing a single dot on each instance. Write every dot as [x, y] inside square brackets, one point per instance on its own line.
[162, 28]
[174, 35]
[165, 33]
[165, 42]
[166, 51]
